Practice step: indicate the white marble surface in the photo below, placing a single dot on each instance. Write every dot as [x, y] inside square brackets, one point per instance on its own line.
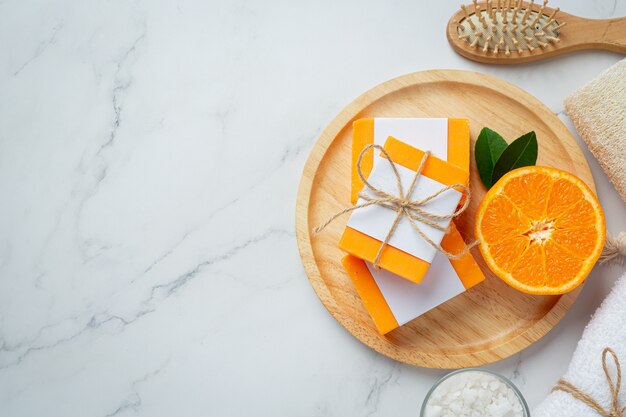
[150, 153]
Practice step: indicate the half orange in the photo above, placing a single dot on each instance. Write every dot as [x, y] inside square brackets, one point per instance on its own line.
[541, 230]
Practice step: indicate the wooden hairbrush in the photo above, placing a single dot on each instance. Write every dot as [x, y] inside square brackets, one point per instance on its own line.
[514, 31]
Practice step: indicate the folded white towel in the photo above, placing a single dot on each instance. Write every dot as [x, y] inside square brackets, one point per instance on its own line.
[607, 328]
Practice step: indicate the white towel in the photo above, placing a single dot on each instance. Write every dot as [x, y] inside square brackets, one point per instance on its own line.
[606, 328]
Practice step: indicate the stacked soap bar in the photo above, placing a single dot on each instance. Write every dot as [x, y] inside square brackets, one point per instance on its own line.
[406, 286]
[407, 253]
[446, 139]
[393, 301]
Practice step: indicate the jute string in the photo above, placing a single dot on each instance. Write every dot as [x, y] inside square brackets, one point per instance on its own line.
[614, 387]
[614, 249]
[404, 206]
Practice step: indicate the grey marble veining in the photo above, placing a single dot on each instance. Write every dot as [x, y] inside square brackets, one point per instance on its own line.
[150, 154]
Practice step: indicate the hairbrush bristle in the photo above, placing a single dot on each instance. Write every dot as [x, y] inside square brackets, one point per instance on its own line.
[527, 12]
[509, 25]
[554, 12]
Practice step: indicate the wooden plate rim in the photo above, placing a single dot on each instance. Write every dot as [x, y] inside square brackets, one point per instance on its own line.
[303, 237]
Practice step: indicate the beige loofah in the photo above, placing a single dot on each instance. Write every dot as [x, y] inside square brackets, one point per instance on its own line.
[598, 111]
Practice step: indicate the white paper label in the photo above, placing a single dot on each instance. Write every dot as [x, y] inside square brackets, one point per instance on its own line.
[425, 134]
[408, 300]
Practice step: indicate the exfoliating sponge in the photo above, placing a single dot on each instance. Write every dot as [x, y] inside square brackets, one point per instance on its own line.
[598, 111]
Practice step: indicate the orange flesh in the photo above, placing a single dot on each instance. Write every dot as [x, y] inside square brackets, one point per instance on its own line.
[541, 230]
[563, 265]
[503, 221]
[508, 252]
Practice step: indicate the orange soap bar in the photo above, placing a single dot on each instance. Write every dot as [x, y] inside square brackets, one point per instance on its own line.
[393, 259]
[455, 132]
[392, 301]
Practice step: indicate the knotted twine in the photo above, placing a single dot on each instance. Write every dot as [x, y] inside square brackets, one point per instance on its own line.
[404, 206]
[614, 387]
[614, 249]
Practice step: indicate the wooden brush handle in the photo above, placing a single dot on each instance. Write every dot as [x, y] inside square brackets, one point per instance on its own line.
[609, 34]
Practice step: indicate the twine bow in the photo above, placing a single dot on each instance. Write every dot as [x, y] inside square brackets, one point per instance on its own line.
[614, 387]
[404, 206]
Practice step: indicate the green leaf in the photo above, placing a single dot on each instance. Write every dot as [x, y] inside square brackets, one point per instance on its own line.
[520, 153]
[489, 147]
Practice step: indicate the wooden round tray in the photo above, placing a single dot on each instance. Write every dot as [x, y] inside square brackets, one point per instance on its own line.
[492, 320]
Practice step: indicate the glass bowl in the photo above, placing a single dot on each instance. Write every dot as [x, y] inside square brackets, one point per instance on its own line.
[506, 381]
